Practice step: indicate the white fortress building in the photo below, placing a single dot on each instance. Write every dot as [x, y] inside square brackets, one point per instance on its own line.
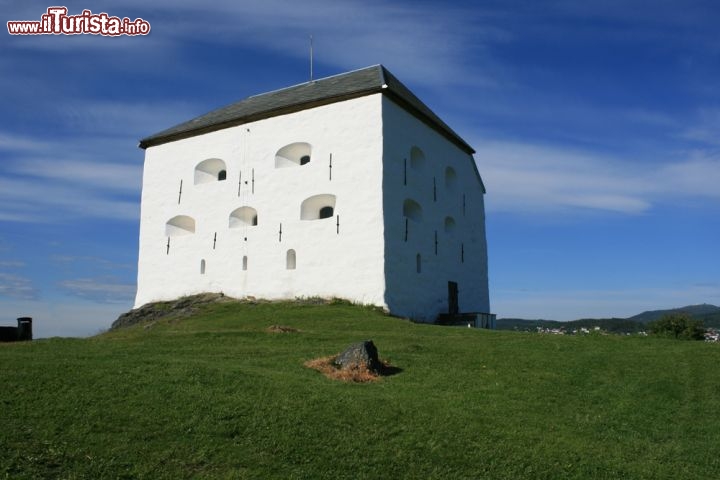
[344, 187]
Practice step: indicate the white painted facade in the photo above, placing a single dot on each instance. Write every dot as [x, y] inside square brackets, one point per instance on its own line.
[237, 211]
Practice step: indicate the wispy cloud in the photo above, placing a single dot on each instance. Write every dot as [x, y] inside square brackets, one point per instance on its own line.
[705, 129]
[91, 173]
[16, 286]
[531, 178]
[26, 200]
[419, 40]
[102, 290]
[124, 119]
[90, 260]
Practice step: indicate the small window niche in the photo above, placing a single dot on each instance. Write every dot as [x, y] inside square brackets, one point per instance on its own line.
[244, 262]
[179, 226]
[290, 260]
[202, 267]
[210, 170]
[243, 217]
[412, 210]
[450, 178]
[417, 158]
[449, 225]
[294, 155]
[318, 207]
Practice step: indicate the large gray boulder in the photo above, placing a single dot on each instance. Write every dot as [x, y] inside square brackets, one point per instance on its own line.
[359, 356]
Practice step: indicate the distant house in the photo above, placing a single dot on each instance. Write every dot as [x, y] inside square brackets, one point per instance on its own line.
[346, 187]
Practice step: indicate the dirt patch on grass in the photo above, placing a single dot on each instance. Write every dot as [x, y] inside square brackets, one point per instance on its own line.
[361, 374]
[281, 329]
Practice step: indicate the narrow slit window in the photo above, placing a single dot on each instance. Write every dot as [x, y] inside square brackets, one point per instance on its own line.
[202, 267]
[244, 263]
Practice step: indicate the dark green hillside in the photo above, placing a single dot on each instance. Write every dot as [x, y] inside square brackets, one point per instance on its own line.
[614, 325]
[708, 314]
[215, 395]
[697, 312]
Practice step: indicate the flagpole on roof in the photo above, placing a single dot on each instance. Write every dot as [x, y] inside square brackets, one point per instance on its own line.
[311, 58]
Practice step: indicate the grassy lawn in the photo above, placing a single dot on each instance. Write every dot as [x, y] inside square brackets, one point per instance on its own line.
[217, 396]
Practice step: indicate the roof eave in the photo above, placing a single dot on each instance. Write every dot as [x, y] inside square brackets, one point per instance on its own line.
[192, 132]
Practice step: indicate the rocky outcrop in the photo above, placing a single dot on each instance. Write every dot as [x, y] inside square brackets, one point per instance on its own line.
[180, 308]
[360, 356]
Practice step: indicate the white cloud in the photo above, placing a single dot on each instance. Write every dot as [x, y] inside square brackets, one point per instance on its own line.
[11, 264]
[23, 200]
[92, 173]
[16, 286]
[535, 178]
[421, 41]
[698, 175]
[102, 290]
[125, 119]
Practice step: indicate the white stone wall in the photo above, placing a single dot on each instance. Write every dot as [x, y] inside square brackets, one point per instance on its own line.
[348, 264]
[461, 254]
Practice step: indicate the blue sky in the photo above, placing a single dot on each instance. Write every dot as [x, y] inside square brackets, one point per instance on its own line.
[596, 125]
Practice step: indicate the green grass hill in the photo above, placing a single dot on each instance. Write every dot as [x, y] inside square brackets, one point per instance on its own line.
[210, 392]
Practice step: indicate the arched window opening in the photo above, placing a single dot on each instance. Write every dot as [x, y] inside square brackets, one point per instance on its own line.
[290, 260]
[418, 263]
[412, 210]
[210, 170]
[315, 207]
[243, 217]
[417, 158]
[202, 267]
[180, 225]
[449, 224]
[244, 264]
[450, 178]
[293, 155]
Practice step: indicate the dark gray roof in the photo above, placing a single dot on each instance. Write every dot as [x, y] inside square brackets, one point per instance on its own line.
[359, 83]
